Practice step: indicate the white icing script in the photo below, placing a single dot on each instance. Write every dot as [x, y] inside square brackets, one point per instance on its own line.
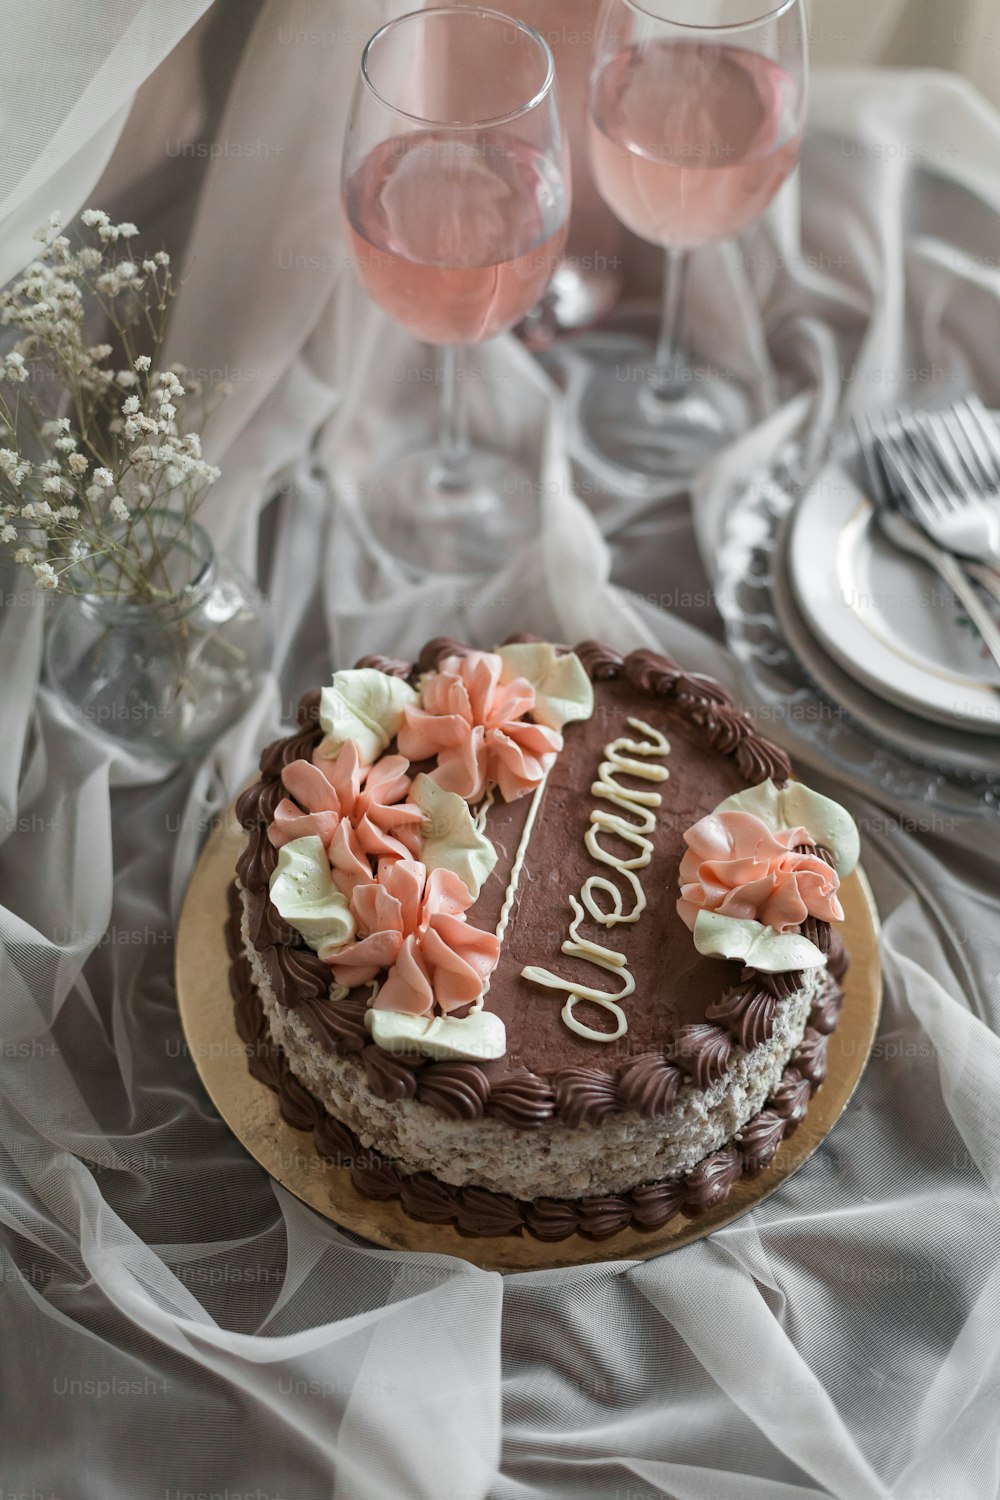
[515, 876]
[619, 759]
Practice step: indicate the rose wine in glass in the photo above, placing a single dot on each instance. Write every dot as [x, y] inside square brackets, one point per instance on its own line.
[696, 116]
[456, 196]
[454, 238]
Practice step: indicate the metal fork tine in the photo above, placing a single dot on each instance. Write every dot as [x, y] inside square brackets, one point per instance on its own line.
[920, 473]
[975, 419]
[960, 431]
[956, 468]
[940, 456]
[880, 493]
[909, 487]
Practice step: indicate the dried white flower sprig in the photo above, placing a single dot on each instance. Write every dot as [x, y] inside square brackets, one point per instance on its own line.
[100, 470]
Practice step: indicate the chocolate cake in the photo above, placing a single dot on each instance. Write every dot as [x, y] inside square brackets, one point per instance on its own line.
[537, 940]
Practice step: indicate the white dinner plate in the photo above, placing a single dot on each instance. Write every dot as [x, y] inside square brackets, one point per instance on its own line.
[885, 617]
[934, 744]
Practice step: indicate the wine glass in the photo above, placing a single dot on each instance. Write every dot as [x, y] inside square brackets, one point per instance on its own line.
[696, 116]
[456, 193]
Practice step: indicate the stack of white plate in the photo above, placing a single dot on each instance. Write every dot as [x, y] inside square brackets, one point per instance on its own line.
[882, 635]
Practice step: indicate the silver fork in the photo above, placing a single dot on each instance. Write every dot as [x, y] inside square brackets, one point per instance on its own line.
[957, 466]
[890, 478]
[944, 470]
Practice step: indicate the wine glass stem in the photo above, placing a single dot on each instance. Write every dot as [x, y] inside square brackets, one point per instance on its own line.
[454, 441]
[669, 359]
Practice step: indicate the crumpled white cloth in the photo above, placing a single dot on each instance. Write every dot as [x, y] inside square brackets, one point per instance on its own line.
[174, 1322]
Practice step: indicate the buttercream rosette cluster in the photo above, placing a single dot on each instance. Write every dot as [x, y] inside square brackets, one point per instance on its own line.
[751, 875]
[377, 867]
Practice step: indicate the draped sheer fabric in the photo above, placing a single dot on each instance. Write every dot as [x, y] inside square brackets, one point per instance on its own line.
[175, 1323]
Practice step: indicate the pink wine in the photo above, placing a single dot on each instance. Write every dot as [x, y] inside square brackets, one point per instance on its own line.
[456, 235]
[690, 141]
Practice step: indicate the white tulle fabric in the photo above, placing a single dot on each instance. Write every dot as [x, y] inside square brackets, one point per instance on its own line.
[176, 1324]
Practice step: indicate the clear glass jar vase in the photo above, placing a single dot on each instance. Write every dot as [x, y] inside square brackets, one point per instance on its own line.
[164, 676]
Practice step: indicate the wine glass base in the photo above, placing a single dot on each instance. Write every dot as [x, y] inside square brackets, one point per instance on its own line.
[433, 526]
[642, 437]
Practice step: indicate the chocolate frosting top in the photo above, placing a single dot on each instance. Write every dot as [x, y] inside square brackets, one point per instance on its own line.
[687, 1011]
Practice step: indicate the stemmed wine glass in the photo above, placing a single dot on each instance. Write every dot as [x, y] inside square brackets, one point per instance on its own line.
[456, 193]
[696, 116]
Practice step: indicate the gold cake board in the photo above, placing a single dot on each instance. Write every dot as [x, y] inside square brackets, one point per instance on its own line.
[250, 1108]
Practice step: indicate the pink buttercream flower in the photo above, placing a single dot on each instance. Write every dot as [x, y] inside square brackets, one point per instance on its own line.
[412, 923]
[476, 727]
[358, 811]
[737, 866]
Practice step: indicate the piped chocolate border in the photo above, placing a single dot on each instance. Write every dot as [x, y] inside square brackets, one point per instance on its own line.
[481, 1213]
[647, 1083]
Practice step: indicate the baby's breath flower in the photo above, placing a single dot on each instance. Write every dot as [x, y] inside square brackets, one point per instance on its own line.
[47, 306]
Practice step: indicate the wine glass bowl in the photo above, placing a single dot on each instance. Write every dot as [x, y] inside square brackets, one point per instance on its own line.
[456, 197]
[696, 115]
[691, 140]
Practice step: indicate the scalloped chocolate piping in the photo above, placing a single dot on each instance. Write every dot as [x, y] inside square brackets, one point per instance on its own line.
[526, 1099]
[479, 1212]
